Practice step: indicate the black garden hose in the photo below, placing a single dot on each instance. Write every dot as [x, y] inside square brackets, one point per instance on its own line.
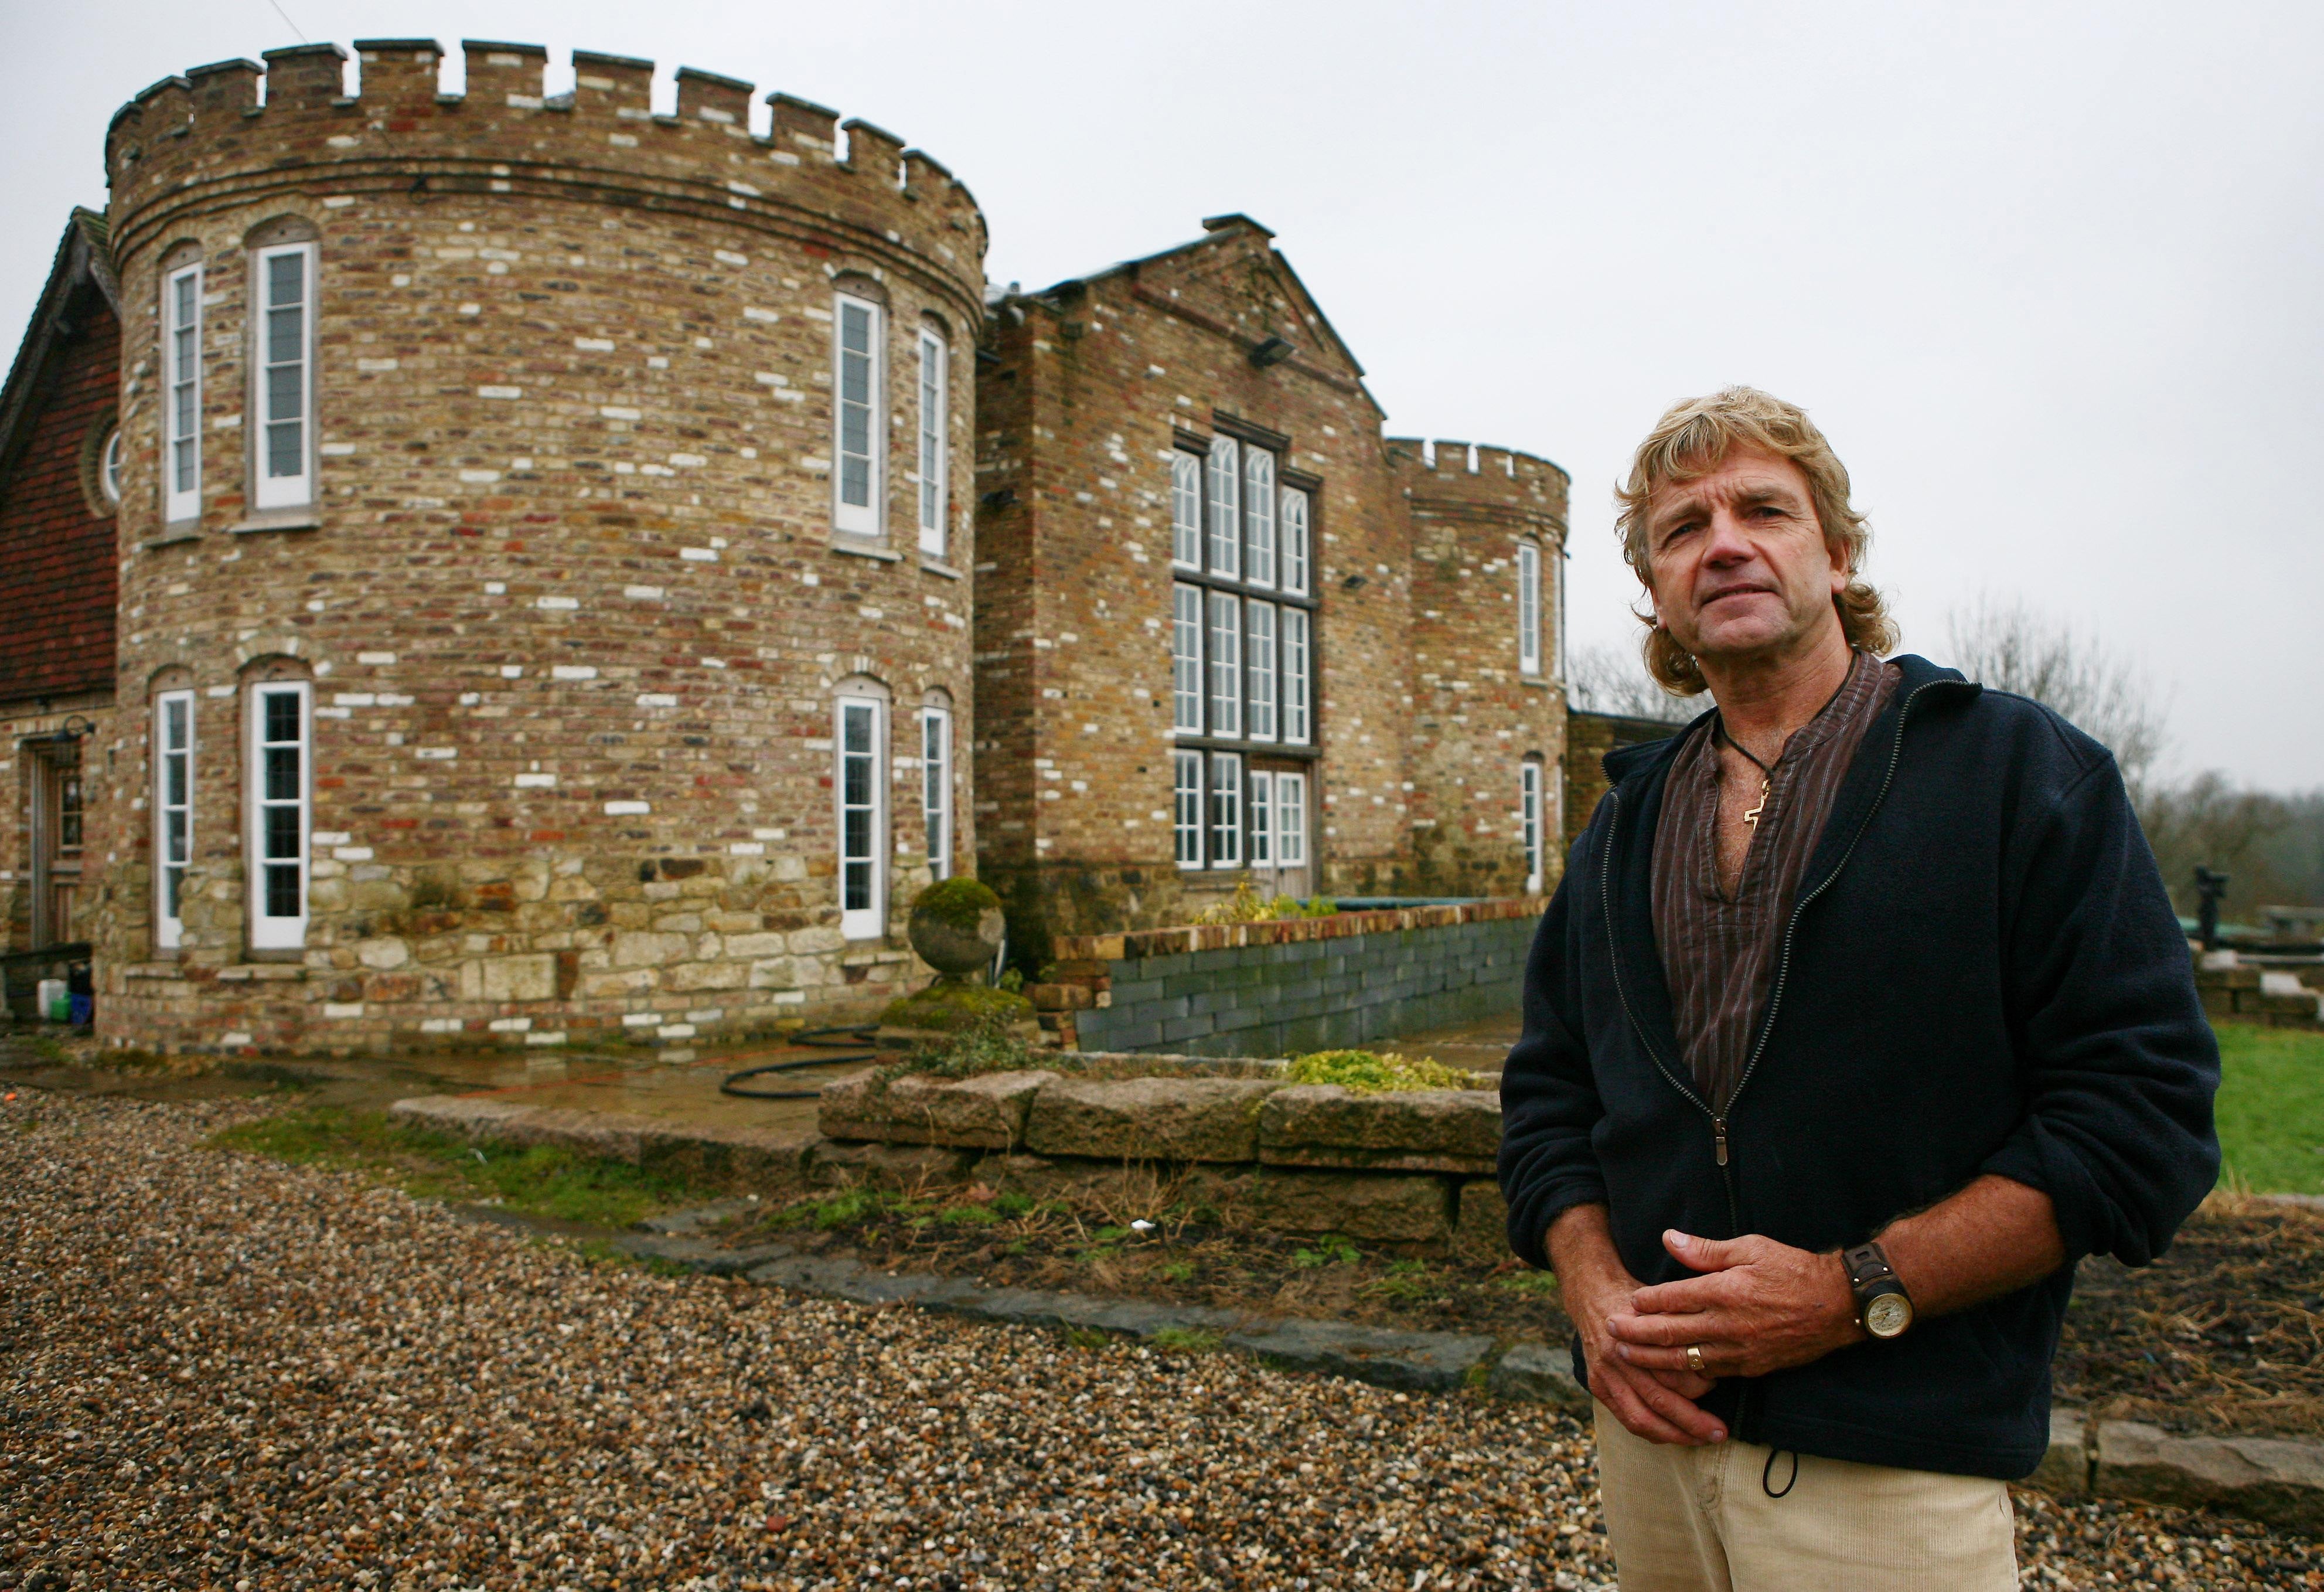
[857, 1035]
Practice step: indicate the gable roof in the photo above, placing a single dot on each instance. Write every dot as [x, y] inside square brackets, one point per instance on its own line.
[84, 260]
[1217, 229]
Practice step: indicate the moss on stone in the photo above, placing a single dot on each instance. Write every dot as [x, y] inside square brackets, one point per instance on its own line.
[951, 1008]
[1368, 1073]
[956, 903]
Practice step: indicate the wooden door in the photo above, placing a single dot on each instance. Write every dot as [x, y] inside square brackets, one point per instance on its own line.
[56, 825]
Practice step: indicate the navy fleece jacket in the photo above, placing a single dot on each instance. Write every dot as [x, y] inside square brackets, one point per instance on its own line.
[1982, 974]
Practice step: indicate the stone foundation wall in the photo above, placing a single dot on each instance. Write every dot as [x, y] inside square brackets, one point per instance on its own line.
[1282, 988]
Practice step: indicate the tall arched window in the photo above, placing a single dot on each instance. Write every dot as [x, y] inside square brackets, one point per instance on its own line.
[1529, 821]
[173, 806]
[935, 783]
[857, 339]
[278, 798]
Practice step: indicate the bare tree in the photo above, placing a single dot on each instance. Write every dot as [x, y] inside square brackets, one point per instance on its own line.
[2013, 648]
[1609, 679]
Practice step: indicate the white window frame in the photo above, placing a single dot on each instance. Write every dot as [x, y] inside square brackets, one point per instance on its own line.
[1528, 609]
[936, 787]
[1187, 691]
[1290, 820]
[269, 930]
[1295, 542]
[270, 490]
[1224, 650]
[1224, 555]
[1262, 818]
[173, 750]
[854, 519]
[869, 921]
[1186, 814]
[181, 395]
[935, 409]
[1226, 809]
[1259, 669]
[1259, 517]
[1185, 509]
[108, 467]
[1530, 817]
[1294, 689]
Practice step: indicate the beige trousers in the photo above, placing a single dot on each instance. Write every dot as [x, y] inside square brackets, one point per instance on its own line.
[1701, 1520]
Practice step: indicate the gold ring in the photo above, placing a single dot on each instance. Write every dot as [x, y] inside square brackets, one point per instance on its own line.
[1694, 1358]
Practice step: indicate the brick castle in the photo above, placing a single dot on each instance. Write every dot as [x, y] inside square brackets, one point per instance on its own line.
[525, 570]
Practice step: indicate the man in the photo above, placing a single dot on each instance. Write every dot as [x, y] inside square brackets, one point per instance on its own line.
[1859, 1016]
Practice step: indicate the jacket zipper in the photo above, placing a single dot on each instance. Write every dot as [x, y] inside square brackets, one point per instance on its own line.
[1768, 1026]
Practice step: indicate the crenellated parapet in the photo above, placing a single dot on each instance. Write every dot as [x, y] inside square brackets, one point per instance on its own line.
[234, 131]
[1450, 484]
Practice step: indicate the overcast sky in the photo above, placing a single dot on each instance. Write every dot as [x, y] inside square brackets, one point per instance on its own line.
[2048, 276]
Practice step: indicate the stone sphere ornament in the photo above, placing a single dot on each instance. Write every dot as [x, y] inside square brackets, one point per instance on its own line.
[956, 927]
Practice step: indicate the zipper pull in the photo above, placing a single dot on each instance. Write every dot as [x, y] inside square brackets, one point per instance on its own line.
[1718, 1138]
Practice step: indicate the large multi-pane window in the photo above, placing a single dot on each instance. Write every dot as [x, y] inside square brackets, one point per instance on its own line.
[855, 440]
[860, 787]
[1242, 649]
[284, 370]
[280, 815]
[182, 398]
[933, 408]
[936, 787]
[1529, 608]
[173, 812]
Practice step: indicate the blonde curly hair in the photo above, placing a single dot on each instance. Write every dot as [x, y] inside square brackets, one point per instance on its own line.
[1694, 437]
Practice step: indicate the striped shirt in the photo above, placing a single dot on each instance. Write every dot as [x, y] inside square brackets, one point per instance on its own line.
[1719, 954]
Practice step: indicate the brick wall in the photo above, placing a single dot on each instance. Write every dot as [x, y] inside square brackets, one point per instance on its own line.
[571, 598]
[56, 549]
[1282, 989]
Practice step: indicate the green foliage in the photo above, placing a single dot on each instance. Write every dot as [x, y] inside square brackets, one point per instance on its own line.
[538, 1180]
[2269, 1109]
[1330, 1250]
[985, 1045]
[1177, 1271]
[1370, 1074]
[1247, 905]
[968, 1216]
[1187, 1340]
[1010, 1202]
[1012, 979]
[1408, 1281]
[1534, 1284]
[956, 903]
[1088, 1337]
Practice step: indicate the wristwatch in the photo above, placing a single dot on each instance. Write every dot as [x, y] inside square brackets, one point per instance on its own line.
[1883, 1308]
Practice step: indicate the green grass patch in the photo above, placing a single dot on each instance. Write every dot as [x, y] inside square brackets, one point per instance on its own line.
[1369, 1074]
[1330, 1250]
[1533, 1285]
[1187, 1340]
[2271, 1108]
[536, 1180]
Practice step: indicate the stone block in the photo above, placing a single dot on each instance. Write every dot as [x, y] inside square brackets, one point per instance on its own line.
[1480, 1224]
[766, 1161]
[1421, 1362]
[1377, 1208]
[519, 979]
[638, 948]
[2269, 1479]
[1420, 1130]
[1148, 1118]
[986, 1113]
[1539, 1373]
[2065, 1470]
[898, 1166]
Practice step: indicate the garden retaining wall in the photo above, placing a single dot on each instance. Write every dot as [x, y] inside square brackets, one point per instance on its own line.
[1284, 988]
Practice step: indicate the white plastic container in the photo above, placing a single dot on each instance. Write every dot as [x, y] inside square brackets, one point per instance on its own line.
[55, 1004]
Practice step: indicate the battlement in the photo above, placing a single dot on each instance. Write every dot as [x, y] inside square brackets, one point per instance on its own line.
[236, 128]
[1448, 479]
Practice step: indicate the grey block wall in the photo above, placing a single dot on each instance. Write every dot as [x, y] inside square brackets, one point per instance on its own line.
[1311, 995]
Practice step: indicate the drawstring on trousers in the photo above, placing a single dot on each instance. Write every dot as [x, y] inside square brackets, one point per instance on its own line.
[1767, 1474]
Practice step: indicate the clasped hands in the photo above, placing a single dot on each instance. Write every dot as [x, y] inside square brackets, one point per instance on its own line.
[1758, 1306]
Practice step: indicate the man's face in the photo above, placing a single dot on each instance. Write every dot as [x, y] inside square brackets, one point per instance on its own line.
[1740, 565]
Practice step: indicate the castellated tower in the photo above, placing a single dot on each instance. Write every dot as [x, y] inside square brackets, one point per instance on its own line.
[544, 546]
[1487, 666]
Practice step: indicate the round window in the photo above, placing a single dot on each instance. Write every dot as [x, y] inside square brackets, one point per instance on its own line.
[108, 467]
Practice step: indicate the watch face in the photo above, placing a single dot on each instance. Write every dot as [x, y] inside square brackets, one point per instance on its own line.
[1887, 1315]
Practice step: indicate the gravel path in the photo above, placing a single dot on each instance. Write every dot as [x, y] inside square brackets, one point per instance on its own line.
[218, 1372]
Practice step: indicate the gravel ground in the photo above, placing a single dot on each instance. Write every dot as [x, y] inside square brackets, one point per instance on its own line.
[219, 1371]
